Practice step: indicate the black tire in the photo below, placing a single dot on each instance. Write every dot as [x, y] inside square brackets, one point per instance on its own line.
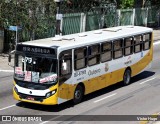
[127, 77]
[78, 94]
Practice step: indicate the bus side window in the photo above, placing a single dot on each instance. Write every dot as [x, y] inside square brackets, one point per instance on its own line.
[128, 46]
[65, 62]
[146, 41]
[93, 54]
[118, 48]
[80, 58]
[137, 43]
[106, 51]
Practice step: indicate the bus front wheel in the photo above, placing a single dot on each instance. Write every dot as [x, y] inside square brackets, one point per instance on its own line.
[127, 77]
[78, 94]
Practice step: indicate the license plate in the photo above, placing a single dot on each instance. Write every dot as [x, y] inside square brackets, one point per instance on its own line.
[30, 98]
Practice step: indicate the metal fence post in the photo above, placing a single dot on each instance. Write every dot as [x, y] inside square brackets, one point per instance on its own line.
[133, 16]
[119, 16]
[158, 18]
[82, 22]
[58, 17]
[146, 18]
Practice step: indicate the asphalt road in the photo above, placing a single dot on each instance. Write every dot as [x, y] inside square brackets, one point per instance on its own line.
[141, 97]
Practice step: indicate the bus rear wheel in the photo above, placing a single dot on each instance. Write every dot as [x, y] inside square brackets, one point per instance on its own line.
[78, 94]
[127, 77]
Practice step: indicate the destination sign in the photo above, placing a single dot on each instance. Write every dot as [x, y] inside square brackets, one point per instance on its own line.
[35, 49]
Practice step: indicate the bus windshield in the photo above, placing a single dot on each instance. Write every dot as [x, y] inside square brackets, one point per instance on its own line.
[34, 69]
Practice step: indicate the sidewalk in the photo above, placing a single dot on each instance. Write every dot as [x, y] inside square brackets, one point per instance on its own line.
[4, 63]
[156, 34]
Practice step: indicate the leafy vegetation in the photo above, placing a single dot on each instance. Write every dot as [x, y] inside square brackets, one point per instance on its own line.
[124, 4]
[34, 16]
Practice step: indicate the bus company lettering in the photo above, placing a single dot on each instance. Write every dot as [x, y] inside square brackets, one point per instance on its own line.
[36, 50]
[79, 73]
[93, 72]
[49, 78]
[129, 61]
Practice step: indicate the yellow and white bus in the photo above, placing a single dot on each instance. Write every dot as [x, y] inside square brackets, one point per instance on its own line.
[54, 70]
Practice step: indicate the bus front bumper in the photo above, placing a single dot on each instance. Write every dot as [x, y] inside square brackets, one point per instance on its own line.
[52, 100]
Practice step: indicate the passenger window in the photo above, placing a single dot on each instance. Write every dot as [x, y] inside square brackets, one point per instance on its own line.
[66, 70]
[137, 43]
[106, 53]
[118, 44]
[93, 50]
[118, 49]
[80, 58]
[147, 37]
[118, 54]
[146, 41]
[66, 62]
[94, 54]
[128, 42]
[106, 46]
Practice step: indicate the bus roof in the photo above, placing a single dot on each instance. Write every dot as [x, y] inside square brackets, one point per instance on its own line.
[90, 37]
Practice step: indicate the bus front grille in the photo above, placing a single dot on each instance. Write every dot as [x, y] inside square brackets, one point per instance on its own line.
[30, 97]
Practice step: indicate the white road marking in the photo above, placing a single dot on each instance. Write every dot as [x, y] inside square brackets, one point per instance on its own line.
[44, 122]
[105, 97]
[6, 70]
[156, 43]
[147, 80]
[7, 107]
[51, 119]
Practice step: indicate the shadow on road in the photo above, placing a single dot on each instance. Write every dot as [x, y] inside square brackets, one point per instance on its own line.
[69, 104]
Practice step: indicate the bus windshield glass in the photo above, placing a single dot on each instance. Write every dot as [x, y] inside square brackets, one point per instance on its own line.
[40, 70]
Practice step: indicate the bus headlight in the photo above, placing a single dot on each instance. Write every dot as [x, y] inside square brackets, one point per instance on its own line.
[16, 90]
[50, 93]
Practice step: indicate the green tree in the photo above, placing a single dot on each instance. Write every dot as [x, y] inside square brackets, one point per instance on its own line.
[83, 5]
[34, 16]
[124, 4]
